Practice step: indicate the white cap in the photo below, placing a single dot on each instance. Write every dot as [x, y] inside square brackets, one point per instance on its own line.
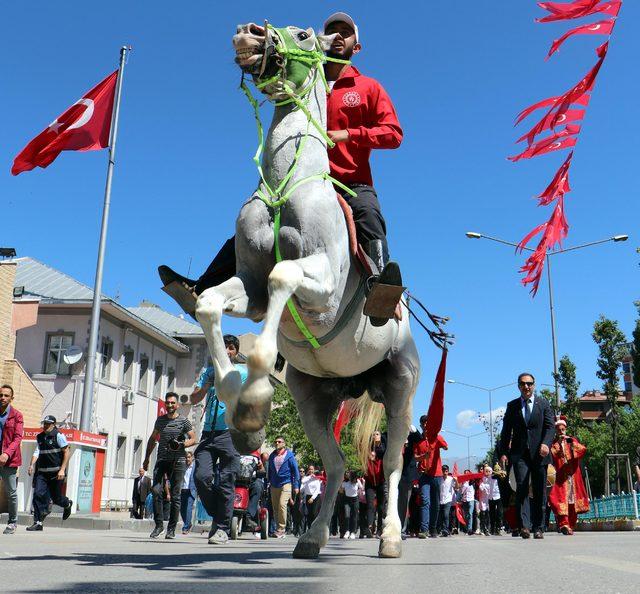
[342, 17]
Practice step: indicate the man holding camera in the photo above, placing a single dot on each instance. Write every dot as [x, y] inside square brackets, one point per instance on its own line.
[174, 433]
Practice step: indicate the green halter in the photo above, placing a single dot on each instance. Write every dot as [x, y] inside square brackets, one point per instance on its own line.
[295, 79]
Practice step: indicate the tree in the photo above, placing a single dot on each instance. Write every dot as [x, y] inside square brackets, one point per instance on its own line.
[635, 353]
[285, 421]
[612, 345]
[568, 380]
[549, 396]
[597, 439]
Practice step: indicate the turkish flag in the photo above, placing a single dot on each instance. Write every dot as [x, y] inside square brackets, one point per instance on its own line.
[454, 472]
[85, 126]
[162, 410]
[600, 28]
[578, 9]
[556, 142]
[555, 230]
[344, 416]
[435, 414]
[571, 115]
[582, 100]
[559, 185]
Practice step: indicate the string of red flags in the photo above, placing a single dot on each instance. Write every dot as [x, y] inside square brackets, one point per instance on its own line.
[85, 126]
[560, 126]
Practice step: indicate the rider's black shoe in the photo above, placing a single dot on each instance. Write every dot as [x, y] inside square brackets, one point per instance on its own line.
[388, 276]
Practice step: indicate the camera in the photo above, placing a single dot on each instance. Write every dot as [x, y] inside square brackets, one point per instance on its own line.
[176, 443]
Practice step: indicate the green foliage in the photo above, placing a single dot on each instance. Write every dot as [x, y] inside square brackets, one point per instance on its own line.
[597, 438]
[548, 395]
[612, 345]
[285, 421]
[568, 381]
[635, 353]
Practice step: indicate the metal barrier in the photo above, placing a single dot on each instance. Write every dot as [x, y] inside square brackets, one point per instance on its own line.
[614, 506]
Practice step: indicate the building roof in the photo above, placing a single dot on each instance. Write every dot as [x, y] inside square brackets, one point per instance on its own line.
[40, 280]
[168, 323]
[52, 287]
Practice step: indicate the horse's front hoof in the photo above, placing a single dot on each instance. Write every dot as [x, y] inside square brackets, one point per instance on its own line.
[254, 406]
[306, 550]
[390, 549]
[246, 443]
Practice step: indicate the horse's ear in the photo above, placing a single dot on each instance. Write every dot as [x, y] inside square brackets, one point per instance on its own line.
[326, 40]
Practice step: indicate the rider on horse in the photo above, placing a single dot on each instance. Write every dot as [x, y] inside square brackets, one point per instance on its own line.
[360, 117]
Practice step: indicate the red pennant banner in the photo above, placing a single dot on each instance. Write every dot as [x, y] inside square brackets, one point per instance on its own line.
[435, 414]
[556, 142]
[571, 115]
[578, 9]
[582, 100]
[599, 28]
[85, 126]
[555, 230]
[559, 185]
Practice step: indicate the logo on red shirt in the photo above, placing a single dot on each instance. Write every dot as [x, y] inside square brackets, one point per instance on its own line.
[351, 98]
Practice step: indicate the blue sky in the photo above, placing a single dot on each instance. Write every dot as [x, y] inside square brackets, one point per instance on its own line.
[458, 73]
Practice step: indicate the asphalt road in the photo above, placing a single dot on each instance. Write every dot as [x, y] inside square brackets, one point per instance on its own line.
[65, 560]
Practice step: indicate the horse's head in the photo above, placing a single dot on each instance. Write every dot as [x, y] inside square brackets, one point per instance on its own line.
[277, 55]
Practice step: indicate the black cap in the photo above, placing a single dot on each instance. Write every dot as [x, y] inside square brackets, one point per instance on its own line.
[49, 419]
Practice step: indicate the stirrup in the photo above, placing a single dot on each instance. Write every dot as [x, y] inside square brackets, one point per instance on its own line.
[183, 295]
[384, 295]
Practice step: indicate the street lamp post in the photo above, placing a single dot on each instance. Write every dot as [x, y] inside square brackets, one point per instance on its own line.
[489, 390]
[615, 238]
[468, 438]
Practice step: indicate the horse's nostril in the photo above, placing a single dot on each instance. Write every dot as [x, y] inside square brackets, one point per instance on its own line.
[256, 29]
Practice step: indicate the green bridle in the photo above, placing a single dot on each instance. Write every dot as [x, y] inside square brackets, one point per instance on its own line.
[297, 75]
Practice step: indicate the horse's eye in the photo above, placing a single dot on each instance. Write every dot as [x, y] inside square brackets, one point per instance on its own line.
[303, 35]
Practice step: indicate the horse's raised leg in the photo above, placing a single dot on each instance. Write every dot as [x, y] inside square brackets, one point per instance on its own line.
[317, 400]
[228, 297]
[311, 278]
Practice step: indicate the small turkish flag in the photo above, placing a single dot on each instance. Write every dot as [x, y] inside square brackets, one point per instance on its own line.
[85, 126]
[600, 28]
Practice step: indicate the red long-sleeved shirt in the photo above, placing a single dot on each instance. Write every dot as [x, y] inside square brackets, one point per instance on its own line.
[431, 465]
[361, 106]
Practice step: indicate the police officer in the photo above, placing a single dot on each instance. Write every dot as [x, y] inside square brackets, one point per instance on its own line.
[50, 461]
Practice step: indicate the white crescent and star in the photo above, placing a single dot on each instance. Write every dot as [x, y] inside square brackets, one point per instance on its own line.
[85, 116]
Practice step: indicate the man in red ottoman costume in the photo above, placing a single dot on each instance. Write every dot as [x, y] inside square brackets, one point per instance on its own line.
[568, 496]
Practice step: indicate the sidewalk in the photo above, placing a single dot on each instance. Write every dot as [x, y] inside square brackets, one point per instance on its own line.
[101, 521]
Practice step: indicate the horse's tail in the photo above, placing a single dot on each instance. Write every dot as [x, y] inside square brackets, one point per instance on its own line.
[368, 416]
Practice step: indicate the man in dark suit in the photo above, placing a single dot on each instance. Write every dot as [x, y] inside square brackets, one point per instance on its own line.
[141, 488]
[527, 433]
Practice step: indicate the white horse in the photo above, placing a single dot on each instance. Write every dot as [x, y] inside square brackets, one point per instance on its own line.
[315, 273]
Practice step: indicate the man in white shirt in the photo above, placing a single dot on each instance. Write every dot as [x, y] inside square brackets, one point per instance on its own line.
[447, 492]
[310, 489]
[467, 498]
[188, 495]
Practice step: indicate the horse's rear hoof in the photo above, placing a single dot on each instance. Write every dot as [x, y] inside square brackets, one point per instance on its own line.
[306, 550]
[390, 549]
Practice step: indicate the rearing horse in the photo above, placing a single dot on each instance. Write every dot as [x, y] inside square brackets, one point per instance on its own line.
[295, 272]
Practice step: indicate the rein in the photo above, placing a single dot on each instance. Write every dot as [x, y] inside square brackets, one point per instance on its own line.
[276, 198]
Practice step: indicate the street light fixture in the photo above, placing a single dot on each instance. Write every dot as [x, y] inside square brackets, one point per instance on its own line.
[489, 390]
[468, 438]
[615, 238]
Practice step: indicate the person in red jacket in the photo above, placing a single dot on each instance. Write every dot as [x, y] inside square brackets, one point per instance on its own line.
[11, 432]
[360, 117]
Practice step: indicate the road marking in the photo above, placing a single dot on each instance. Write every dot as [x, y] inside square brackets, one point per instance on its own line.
[8, 554]
[617, 564]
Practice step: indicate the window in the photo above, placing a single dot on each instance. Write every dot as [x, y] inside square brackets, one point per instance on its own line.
[144, 369]
[106, 354]
[626, 367]
[157, 379]
[121, 451]
[137, 456]
[628, 387]
[57, 344]
[171, 379]
[127, 367]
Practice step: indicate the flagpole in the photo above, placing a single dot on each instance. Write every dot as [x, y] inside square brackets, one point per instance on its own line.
[89, 376]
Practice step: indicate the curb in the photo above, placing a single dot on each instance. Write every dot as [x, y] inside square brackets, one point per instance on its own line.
[609, 526]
